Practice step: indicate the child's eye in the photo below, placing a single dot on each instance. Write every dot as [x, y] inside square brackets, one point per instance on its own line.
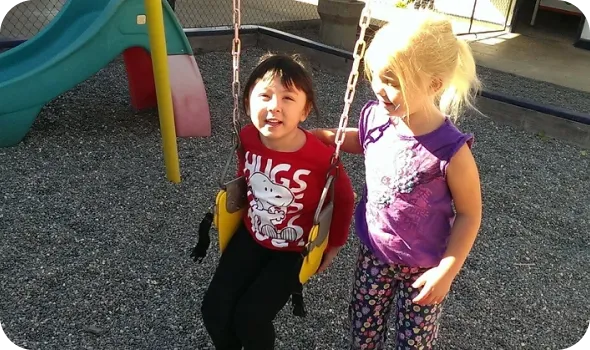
[264, 96]
[391, 82]
[289, 98]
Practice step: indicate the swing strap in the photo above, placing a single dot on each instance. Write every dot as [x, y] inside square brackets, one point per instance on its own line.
[297, 302]
[200, 250]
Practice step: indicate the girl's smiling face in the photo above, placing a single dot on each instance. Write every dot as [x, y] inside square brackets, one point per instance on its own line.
[276, 110]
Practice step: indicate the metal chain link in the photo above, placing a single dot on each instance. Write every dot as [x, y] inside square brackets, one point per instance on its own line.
[359, 52]
[235, 86]
[236, 50]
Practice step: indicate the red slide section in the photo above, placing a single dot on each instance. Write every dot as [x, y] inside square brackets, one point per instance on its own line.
[189, 98]
[140, 74]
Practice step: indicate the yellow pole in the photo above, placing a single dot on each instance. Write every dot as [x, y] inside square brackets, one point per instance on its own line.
[155, 21]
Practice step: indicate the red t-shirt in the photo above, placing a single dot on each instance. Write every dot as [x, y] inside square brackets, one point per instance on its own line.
[284, 190]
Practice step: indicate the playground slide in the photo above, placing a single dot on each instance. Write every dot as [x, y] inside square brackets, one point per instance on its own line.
[83, 38]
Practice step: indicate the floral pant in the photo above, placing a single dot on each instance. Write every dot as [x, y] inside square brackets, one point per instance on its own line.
[380, 289]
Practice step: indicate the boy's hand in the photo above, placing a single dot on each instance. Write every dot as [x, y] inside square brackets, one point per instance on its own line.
[329, 255]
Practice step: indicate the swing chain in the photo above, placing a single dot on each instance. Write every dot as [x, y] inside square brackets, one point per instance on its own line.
[359, 52]
[236, 50]
[235, 86]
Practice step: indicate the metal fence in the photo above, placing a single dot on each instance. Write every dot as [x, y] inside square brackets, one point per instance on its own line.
[27, 18]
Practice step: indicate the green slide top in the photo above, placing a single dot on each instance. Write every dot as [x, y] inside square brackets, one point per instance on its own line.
[84, 37]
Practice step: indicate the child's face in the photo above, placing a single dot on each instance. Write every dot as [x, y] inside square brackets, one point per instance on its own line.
[275, 110]
[388, 91]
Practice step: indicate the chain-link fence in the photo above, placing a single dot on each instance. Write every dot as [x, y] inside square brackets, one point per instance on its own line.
[27, 18]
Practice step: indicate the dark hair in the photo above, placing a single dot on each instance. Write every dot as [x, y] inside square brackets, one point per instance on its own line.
[291, 72]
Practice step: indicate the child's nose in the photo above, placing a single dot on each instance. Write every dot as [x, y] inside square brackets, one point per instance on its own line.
[377, 86]
[273, 104]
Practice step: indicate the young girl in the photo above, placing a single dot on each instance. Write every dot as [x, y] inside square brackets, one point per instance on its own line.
[418, 164]
[285, 168]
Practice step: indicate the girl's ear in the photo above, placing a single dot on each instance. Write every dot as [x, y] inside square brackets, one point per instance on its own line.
[306, 112]
[308, 109]
[436, 85]
[303, 117]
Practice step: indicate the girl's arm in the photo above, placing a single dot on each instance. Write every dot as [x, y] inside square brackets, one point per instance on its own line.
[351, 142]
[464, 183]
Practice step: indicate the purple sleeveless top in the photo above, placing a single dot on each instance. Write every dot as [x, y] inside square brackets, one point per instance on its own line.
[405, 214]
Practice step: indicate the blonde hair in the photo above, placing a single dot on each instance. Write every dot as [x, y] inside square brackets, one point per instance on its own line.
[419, 49]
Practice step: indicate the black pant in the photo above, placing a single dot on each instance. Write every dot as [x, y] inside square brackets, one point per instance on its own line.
[250, 286]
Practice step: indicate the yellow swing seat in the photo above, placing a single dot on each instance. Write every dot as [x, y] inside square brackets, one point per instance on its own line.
[317, 240]
[230, 204]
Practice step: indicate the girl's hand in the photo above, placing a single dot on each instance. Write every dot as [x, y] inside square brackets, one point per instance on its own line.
[329, 255]
[435, 284]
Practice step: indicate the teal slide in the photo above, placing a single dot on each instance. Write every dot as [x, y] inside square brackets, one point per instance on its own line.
[83, 38]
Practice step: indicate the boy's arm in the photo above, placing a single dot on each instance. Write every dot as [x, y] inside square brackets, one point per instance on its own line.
[351, 142]
[343, 210]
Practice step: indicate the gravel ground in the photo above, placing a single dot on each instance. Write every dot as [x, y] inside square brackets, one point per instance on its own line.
[95, 242]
